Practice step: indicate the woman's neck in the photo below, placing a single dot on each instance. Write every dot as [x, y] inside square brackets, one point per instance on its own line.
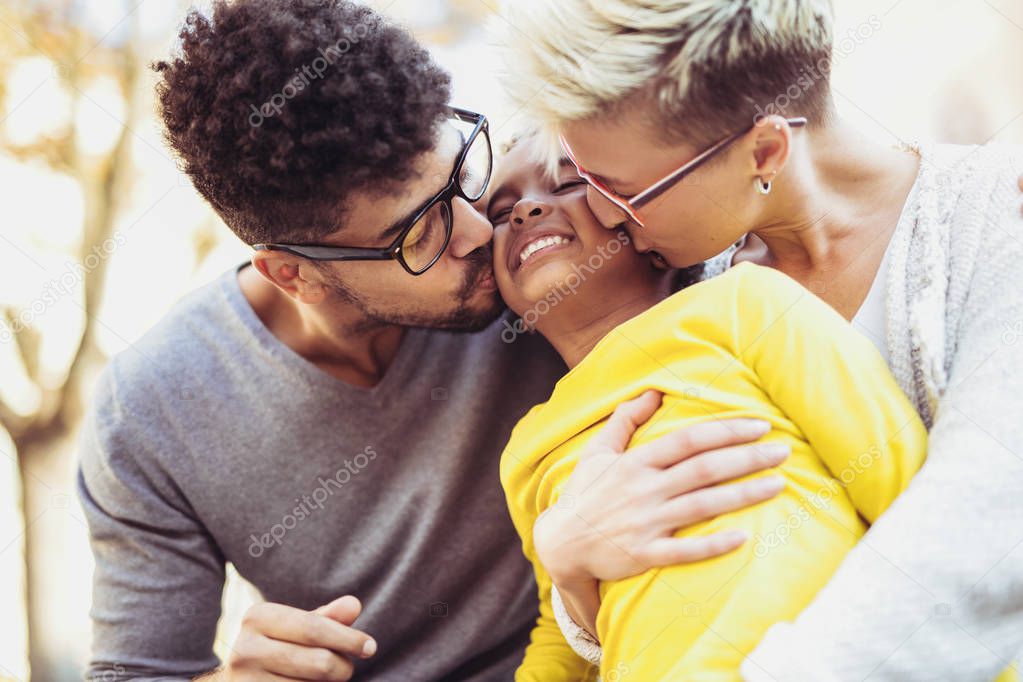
[836, 186]
[579, 323]
[833, 212]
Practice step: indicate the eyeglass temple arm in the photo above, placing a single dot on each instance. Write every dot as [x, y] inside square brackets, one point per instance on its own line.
[466, 115]
[328, 253]
[666, 183]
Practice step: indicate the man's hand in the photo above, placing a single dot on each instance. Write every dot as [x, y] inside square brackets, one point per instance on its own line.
[279, 642]
[617, 513]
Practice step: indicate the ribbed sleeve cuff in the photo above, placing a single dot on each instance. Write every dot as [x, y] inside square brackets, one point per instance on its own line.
[581, 641]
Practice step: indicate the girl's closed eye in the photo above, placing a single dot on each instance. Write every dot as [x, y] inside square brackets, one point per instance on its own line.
[569, 185]
[499, 216]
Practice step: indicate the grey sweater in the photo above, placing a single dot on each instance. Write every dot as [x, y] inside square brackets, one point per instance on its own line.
[209, 441]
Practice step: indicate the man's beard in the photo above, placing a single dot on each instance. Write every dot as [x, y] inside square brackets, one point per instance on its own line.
[463, 318]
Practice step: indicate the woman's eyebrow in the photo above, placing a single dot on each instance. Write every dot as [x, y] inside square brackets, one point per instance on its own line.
[609, 182]
[565, 163]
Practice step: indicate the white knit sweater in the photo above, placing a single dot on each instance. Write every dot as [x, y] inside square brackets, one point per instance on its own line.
[934, 591]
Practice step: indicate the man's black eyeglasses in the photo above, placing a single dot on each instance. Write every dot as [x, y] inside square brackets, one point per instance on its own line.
[424, 234]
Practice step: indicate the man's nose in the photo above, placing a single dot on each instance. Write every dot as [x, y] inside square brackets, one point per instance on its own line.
[607, 214]
[469, 229]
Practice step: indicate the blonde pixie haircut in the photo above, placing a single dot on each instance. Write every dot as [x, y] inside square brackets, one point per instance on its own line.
[711, 67]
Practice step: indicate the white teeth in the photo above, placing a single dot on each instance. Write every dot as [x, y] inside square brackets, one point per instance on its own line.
[542, 243]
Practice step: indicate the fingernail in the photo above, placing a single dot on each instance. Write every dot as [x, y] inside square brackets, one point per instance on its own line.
[753, 427]
[369, 648]
[775, 451]
[736, 536]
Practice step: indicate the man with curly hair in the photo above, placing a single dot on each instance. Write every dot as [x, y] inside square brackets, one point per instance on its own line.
[318, 418]
[276, 419]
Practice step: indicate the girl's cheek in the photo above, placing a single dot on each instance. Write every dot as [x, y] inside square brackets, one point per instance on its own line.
[500, 244]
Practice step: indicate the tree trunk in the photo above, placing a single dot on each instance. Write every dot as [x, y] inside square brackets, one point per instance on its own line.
[45, 443]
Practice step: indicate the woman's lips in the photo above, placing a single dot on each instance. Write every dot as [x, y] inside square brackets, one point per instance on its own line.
[658, 260]
[535, 247]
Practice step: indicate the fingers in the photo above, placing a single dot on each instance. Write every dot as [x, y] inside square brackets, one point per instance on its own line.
[679, 445]
[710, 503]
[670, 551]
[303, 663]
[263, 676]
[627, 417]
[343, 609]
[718, 466]
[292, 625]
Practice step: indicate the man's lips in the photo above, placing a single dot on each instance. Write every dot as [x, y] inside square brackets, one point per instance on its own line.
[486, 281]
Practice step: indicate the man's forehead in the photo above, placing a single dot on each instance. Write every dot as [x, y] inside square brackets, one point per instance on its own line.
[432, 170]
[440, 161]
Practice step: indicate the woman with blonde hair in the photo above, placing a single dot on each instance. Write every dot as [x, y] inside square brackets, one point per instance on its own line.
[699, 124]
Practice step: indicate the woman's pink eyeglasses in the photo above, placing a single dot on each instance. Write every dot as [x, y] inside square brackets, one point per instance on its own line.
[631, 205]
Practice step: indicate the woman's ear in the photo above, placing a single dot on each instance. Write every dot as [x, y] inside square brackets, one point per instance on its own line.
[770, 140]
[292, 275]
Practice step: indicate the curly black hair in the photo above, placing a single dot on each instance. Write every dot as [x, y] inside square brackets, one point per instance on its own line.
[280, 109]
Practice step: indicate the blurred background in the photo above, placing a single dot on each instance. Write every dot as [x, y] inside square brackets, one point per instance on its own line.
[100, 234]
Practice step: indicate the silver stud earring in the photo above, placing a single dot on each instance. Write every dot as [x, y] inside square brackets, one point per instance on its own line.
[761, 187]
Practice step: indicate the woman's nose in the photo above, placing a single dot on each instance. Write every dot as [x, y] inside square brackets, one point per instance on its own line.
[527, 210]
[603, 209]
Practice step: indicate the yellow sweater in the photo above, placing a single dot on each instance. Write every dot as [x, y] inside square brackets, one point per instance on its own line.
[749, 343]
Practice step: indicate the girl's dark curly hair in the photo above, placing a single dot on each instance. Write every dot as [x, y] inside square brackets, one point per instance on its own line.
[280, 109]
